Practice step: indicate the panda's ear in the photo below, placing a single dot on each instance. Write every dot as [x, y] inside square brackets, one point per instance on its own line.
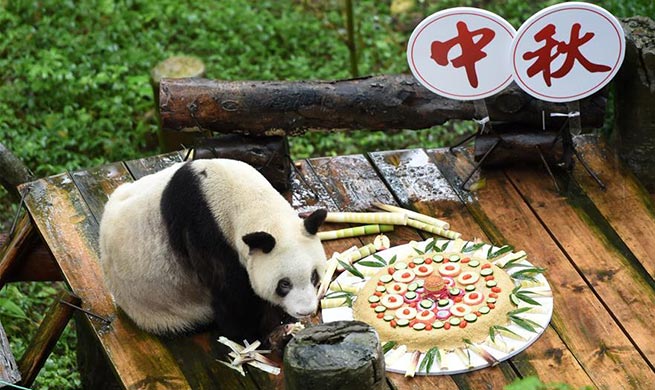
[259, 240]
[315, 220]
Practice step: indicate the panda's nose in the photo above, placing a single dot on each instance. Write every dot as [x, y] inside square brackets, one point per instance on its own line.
[305, 314]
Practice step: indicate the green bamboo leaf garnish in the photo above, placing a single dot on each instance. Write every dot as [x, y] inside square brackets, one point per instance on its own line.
[369, 263]
[428, 360]
[514, 263]
[528, 273]
[442, 248]
[430, 246]
[472, 248]
[523, 296]
[418, 251]
[380, 259]
[351, 269]
[388, 346]
[504, 249]
[341, 294]
[393, 260]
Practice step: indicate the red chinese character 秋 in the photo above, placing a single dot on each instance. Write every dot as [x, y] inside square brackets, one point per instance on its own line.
[546, 54]
[471, 50]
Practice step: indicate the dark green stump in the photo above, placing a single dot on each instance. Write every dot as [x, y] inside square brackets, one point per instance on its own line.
[335, 355]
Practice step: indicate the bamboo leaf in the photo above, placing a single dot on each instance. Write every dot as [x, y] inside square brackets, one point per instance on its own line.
[513, 263]
[371, 264]
[443, 247]
[504, 329]
[393, 260]
[388, 346]
[351, 269]
[472, 248]
[430, 246]
[525, 324]
[528, 273]
[418, 251]
[525, 298]
[518, 311]
[504, 249]
[380, 259]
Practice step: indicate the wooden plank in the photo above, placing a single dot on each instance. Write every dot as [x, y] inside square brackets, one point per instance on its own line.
[417, 182]
[598, 253]
[46, 337]
[195, 359]
[625, 204]
[71, 232]
[145, 166]
[359, 186]
[583, 323]
[24, 257]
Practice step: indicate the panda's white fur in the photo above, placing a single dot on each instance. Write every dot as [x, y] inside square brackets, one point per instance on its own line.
[168, 282]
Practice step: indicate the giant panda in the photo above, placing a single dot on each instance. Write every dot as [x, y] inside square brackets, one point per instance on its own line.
[209, 243]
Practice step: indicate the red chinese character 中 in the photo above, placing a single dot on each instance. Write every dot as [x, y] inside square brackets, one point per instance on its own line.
[471, 50]
[552, 48]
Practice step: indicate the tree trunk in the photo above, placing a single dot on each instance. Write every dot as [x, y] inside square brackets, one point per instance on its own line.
[517, 148]
[381, 102]
[634, 126]
[12, 172]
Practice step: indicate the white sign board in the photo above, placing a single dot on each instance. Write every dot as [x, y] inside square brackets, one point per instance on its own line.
[462, 53]
[567, 51]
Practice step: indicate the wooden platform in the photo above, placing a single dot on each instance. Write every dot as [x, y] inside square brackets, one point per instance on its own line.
[597, 247]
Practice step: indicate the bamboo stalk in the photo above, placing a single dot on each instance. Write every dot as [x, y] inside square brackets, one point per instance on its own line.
[373, 218]
[414, 215]
[353, 232]
[433, 229]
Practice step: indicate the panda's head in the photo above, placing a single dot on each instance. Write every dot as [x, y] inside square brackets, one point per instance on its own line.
[285, 267]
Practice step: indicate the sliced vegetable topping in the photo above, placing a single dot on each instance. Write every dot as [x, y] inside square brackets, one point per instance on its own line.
[423, 270]
[450, 269]
[405, 313]
[468, 277]
[404, 276]
[392, 301]
[473, 298]
[460, 310]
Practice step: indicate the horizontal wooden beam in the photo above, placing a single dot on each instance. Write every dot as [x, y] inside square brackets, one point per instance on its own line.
[376, 103]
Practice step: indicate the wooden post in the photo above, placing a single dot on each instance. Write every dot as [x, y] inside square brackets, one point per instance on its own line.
[46, 337]
[634, 126]
[336, 355]
[176, 67]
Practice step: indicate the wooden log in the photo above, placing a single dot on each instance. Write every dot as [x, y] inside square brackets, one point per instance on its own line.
[381, 102]
[517, 148]
[9, 372]
[336, 355]
[176, 67]
[634, 126]
[46, 337]
[12, 172]
[269, 155]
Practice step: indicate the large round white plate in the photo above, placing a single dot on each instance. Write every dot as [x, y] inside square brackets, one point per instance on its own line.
[506, 345]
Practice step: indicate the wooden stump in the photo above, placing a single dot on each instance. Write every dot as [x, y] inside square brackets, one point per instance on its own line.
[176, 67]
[634, 126]
[336, 355]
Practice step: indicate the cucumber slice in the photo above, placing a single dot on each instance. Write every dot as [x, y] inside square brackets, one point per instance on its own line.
[388, 317]
[412, 286]
[374, 299]
[484, 310]
[454, 291]
[419, 326]
[443, 302]
[386, 278]
[399, 265]
[470, 288]
[491, 300]
[454, 321]
[380, 309]
[455, 258]
[486, 272]
[419, 260]
[492, 283]
[426, 303]
[471, 317]
[474, 263]
[411, 295]
[438, 259]
[438, 324]
[380, 288]
[402, 322]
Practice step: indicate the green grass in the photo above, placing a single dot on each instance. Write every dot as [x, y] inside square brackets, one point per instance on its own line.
[75, 90]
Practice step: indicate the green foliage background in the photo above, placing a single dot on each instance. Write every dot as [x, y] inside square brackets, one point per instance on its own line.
[75, 90]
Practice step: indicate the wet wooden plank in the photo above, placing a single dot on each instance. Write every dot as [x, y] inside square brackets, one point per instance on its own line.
[195, 359]
[625, 204]
[580, 318]
[9, 372]
[597, 252]
[145, 166]
[71, 232]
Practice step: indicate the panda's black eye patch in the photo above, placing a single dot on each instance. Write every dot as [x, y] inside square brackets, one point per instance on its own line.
[315, 278]
[283, 287]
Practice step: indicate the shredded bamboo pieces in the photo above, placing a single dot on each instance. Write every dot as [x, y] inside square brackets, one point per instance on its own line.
[248, 355]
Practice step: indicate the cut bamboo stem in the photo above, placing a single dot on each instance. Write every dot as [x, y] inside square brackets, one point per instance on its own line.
[433, 229]
[354, 232]
[373, 218]
[414, 215]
